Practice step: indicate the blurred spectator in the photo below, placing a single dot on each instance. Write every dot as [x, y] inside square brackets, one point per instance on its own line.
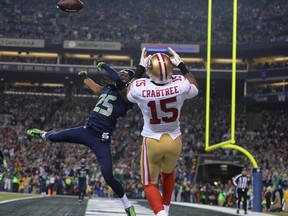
[258, 21]
[276, 205]
[268, 197]
[285, 200]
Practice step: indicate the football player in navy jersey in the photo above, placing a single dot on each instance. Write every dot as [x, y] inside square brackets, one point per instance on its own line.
[83, 178]
[96, 133]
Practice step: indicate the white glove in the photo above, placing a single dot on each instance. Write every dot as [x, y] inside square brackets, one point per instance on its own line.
[144, 59]
[175, 59]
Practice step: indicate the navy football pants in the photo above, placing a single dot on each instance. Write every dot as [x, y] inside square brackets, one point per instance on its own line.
[101, 149]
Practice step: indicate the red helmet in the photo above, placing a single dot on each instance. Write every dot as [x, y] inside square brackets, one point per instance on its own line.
[160, 68]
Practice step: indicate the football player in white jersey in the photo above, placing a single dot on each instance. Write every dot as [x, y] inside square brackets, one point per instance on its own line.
[160, 98]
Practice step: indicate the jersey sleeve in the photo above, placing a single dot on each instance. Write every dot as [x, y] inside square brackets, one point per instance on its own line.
[192, 90]
[235, 180]
[186, 87]
[131, 95]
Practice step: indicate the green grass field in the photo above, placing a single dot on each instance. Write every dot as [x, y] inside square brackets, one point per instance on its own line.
[9, 196]
[280, 213]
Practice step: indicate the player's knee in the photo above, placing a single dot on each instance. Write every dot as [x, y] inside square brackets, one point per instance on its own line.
[109, 179]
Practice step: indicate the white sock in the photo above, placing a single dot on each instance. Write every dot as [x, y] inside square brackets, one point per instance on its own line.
[166, 208]
[161, 213]
[125, 201]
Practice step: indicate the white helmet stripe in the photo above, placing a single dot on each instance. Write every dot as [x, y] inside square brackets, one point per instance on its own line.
[162, 66]
[145, 163]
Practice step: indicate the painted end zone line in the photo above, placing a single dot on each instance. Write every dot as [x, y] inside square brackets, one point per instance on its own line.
[220, 209]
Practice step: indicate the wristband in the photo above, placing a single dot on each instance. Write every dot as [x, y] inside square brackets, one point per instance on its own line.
[183, 68]
[85, 77]
[114, 76]
[140, 70]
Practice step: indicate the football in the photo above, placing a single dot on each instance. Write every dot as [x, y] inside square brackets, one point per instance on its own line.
[70, 6]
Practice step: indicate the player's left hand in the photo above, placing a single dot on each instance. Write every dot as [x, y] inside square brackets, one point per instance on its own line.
[175, 59]
[83, 74]
[101, 65]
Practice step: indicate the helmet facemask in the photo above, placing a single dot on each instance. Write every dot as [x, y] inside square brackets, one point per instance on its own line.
[126, 75]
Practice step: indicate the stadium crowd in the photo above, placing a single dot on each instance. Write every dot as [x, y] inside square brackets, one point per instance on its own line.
[179, 22]
[26, 157]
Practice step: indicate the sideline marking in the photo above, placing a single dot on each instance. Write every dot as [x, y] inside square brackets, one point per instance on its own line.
[113, 207]
[220, 209]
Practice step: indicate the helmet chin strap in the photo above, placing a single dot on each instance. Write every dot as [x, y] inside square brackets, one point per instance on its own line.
[158, 84]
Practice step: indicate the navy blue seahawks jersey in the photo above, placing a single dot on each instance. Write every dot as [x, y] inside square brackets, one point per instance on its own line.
[82, 172]
[110, 106]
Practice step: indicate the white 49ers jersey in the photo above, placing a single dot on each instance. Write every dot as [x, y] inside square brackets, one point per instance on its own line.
[161, 104]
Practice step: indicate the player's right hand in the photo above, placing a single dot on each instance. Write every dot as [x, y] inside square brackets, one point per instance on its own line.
[144, 59]
[175, 59]
[83, 74]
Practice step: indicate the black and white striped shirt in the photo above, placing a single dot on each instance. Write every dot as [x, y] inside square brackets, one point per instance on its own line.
[241, 181]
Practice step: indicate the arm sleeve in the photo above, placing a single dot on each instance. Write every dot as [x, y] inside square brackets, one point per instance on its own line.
[130, 93]
[183, 68]
[235, 181]
[114, 76]
[140, 70]
[192, 90]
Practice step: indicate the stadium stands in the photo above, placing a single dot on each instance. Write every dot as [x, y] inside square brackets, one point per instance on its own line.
[46, 112]
[146, 21]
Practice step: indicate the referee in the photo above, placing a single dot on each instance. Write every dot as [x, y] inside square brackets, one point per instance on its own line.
[241, 182]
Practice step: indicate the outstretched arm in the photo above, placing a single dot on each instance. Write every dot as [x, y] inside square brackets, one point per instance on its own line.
[177, 61]
[96, 88]
[141, 68]
[114, 76]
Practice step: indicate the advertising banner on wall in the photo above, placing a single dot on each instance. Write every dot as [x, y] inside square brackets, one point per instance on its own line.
[15, 42]
[91, 45]
[267, 98]
[179, 48]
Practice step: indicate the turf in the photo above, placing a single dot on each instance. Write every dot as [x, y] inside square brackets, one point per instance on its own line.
[46, 206]
[9, 196]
